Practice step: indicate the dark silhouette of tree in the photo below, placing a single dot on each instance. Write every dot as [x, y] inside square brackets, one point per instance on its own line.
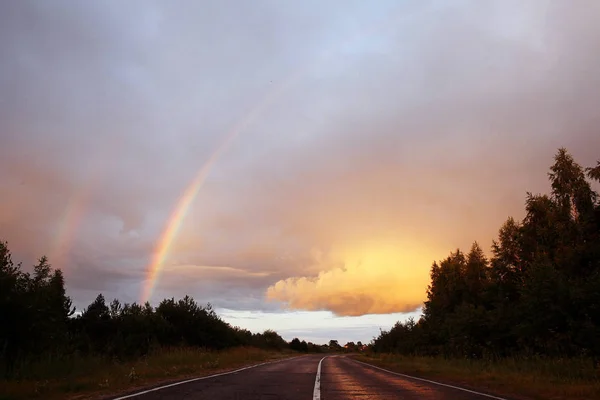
[295, 344]
[34, 312]
[304, 346]
[300, 346]
[15, 312]
[539, 293]
[334, 345]
[350, 347]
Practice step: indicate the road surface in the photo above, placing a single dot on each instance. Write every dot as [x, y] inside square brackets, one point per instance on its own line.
[308, 377]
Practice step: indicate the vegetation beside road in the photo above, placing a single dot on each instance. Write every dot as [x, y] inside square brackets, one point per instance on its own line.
[516, 378]
[527, 319]
[95, 377]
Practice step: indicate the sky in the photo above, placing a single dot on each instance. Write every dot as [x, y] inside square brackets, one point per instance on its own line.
[299, 165]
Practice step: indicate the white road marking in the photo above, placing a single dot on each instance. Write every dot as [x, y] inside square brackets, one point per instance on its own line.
[317, 391]
[199, 379]
[433, 382]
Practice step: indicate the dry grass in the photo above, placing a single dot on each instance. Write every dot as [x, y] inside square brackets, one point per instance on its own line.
[524, 378]
[85, 378]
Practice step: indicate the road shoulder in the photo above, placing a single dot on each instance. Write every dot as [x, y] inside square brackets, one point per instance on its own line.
[496, 390]
[181, 379]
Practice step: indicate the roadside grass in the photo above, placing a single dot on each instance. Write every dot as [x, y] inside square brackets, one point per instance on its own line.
[95, 377]
[515, 378]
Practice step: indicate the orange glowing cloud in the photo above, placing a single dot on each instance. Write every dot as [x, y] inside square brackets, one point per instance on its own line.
[174, 222]
[377, 279]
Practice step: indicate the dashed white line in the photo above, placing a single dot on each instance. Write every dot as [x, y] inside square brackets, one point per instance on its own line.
[198, 379]
[317, 391]
[433, 382]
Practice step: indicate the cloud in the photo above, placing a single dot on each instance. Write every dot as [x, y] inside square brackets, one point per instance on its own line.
[401, 131]
[376, 280]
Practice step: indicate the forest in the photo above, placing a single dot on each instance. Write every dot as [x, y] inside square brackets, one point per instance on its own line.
[537, 294]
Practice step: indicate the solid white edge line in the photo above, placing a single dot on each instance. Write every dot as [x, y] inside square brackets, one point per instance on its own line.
[199, 379]
[434, 382]
[317, 390]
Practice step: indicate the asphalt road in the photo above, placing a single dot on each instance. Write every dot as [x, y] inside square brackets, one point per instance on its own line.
[309, 377]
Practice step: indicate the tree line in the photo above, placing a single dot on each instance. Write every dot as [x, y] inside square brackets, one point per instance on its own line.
[537, 294]
[38, 320]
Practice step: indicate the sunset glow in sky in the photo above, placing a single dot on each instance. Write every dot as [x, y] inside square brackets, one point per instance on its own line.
[299, 165]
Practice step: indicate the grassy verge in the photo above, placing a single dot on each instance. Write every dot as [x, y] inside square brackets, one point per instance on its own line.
[533, 378]
[86, 378]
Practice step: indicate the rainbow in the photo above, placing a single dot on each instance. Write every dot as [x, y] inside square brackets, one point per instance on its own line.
[70, 221]
[183, 205]
[177, 217]
[75, 209]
